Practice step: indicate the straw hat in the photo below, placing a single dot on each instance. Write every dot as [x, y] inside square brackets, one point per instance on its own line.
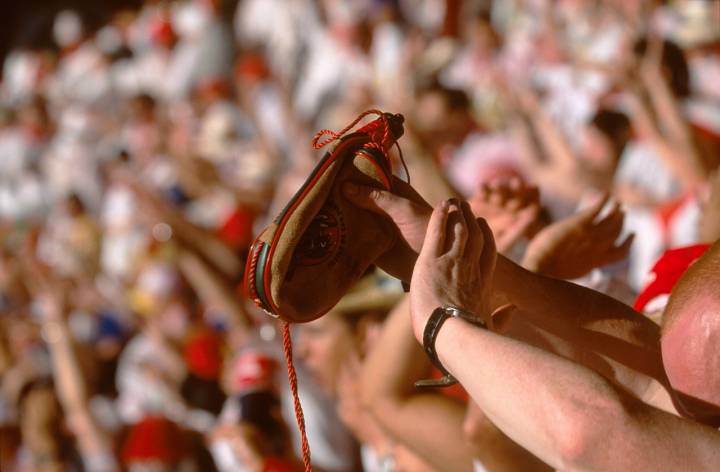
[377, 291]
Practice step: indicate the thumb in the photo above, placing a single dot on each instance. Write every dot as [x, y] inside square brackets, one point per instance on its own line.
[373, 199]
[590, 213]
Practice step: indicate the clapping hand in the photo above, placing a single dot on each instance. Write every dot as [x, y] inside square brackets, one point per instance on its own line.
[510, 207]
[455, 266]
[572, 247]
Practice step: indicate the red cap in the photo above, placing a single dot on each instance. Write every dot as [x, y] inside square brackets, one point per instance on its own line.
[161, 31]
[236, 231]
[254, 371]
[154, 438]
[203, 355]
[251, 67]
[667, 271]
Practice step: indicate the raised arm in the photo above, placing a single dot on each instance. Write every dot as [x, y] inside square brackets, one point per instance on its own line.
[389, 373]
[69, 381]
[201, 241]
[585, 322]
[214, 289]
[566, 414]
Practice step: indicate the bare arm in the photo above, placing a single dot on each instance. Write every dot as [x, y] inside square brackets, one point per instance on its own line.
[199, 240]
[566, 414]
[390, 370]
[683, 161]
[584, 324]
[587, 322]
[214, 289]
[70, 386]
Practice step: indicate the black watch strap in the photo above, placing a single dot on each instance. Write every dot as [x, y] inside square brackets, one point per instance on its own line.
[430, 333]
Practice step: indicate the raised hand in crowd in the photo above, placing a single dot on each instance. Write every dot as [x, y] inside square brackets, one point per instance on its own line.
[510, 207]
[573, 246]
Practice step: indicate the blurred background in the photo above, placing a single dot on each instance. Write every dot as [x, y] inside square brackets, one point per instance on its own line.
[143, 144]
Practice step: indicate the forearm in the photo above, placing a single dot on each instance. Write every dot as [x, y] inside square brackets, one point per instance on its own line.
[70, 387]
[389, 373]
[584, 318]
[556, 147]
[198, 239]
[686, 170]
[531, 395]
[68, 378]
[562, 411]
[205, 243]
[669, 113]
[213, 290]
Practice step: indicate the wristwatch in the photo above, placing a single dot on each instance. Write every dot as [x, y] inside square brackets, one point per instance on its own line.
[432, 328]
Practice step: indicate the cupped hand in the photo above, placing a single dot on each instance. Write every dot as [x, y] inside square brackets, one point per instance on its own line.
[572, 247]
[455, 266]
[510, 207]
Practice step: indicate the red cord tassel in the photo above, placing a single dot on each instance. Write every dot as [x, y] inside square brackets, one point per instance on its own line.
[292, 378]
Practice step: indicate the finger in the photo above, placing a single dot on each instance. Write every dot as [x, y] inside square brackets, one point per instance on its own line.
[610, 226]
[590, 213]
[620, 251]
[523, 220]
[369, 198]
[473, 245]
[434, 243]
[456, 221]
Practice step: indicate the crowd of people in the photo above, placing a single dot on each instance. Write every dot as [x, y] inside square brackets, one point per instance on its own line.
[571, 152]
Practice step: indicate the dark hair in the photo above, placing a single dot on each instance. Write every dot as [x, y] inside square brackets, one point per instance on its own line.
[673, 63]
[455, 99]
[262, 410]
[615, 126]
[145, 100]
[203, 394]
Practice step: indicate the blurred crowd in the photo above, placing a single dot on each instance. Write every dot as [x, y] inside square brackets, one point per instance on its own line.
[139, 159]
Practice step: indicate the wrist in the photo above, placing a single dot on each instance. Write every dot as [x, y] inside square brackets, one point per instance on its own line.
[434, 325]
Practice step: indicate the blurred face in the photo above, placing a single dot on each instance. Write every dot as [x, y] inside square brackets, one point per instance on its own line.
[324, 346]
[174, 319]
[597, 150]
[691, 356]
[437, 124]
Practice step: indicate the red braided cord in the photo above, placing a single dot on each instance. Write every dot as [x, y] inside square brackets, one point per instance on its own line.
[292, 378]
[250, 282]
[387, 136]
[334, 135]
